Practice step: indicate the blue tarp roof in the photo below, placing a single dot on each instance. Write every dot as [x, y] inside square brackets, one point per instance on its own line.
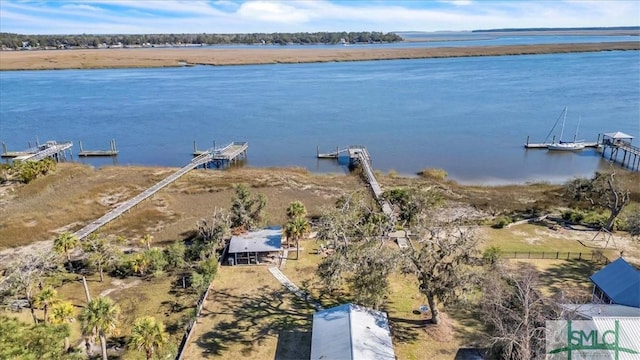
[620, 281]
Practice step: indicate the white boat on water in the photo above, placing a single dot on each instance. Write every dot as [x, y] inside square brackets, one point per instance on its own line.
[574, 145]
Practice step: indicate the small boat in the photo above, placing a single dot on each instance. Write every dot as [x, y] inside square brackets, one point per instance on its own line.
[574, 145]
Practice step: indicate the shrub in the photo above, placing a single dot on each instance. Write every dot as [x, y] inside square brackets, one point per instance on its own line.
[574, 216]
[491, 254]
[437, 174]
[501, 221]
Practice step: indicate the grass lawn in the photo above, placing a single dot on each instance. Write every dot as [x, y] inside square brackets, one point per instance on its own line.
[537, 238]
[249, 314]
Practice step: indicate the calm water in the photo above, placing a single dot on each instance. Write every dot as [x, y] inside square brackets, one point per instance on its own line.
[469, 116]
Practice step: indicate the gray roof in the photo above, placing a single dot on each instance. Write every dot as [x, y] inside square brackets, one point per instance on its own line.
[620, 281]
[265, 240]
[590, 311]
[618, 135]
[351, 332]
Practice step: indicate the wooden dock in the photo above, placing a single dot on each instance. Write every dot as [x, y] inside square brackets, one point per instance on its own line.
[359, 155]
[113, 151]
[202, 159]
[226, 155]
[51, 149]
[619, 143]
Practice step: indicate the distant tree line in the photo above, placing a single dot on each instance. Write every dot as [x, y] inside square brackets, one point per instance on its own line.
[17, 41]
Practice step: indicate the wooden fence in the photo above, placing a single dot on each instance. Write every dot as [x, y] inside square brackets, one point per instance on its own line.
[555, 255]
[192, 323]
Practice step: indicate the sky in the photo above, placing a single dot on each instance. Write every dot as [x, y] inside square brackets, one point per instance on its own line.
[241, 16]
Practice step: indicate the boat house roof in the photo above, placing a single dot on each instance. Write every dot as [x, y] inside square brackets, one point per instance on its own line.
[620, 282]
[618, 135]
[351, 332]
[265, 240]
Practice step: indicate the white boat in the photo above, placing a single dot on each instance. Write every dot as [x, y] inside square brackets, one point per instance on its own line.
[567, 145]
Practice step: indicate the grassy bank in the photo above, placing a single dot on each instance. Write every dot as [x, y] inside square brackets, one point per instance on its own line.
[136, 58]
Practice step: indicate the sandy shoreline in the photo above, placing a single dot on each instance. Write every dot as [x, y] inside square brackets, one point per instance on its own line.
[171, 57]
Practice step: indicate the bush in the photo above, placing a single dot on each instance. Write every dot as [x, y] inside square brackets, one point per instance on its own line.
[574, 216]
[491, 254]
[437, 174]
[501, 221]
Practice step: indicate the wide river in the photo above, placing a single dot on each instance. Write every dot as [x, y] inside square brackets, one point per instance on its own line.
[469, 116]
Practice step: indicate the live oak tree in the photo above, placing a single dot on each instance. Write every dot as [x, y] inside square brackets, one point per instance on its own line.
[441, 264]
[212, 232]
[24, 276]
[604, 191]
[354, 228]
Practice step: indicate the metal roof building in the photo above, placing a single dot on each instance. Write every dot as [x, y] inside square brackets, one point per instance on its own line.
[351, 332]
[255, 247]
[617, 283]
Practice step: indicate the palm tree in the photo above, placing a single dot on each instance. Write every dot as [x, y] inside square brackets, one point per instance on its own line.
[296, 209]
[64, 243]
[62, 313]
[148, 335]
[44, 299]
[146, 240]
[100, 317]
[295, 229]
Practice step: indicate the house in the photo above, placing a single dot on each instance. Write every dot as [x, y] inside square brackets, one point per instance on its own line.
[617, 283]
[351, 332]
[256, 247]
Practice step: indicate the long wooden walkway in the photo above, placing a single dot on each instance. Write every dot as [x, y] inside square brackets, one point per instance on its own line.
[49, 149]
[359, 154]
[202, 159]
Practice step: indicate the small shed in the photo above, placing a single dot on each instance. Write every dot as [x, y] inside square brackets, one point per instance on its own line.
[256, 247]
[617, 283]
[351, 332]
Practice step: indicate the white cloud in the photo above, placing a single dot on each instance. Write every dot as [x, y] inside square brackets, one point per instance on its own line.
[224, 16]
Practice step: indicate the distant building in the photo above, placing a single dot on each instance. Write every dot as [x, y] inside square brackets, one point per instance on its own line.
[617, 283]
[351, 332]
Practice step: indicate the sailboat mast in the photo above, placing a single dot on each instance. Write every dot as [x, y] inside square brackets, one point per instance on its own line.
[563, 120]
[575, 136]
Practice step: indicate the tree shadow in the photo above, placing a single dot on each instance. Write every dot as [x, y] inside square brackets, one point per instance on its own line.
[254, 318]
[293, 345]
[569, 276]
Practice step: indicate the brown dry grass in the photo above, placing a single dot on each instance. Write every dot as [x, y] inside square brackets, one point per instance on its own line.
[130, 58]
[77, 194]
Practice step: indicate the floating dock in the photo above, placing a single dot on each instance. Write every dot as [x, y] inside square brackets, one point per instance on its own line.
[528, 145]
[113, 151]
[224, 156]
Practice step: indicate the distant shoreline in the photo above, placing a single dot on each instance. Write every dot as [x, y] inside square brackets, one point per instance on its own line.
[175, 57]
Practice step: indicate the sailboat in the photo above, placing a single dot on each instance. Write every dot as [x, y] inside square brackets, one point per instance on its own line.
[567, 145]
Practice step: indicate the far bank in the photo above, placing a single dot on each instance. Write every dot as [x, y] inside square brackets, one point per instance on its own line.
[173, 57]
